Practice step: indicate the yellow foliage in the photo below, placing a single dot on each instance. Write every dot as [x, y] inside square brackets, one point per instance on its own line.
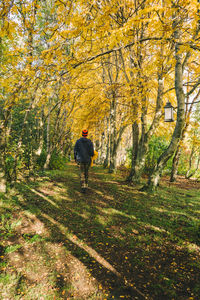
[63, 60]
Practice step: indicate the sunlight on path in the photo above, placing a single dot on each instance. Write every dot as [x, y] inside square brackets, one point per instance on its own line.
[74, 239]
[44, 197]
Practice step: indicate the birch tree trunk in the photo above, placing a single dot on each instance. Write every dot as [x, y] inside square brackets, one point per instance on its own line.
[102, 149]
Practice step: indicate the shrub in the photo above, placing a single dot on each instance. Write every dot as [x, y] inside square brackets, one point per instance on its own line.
[57, 162]
[41, 159]
[157, 146]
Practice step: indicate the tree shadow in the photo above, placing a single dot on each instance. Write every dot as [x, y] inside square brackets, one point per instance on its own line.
[84, 230]
[117, 260]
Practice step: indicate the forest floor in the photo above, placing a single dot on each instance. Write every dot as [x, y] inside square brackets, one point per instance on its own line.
[114, 242]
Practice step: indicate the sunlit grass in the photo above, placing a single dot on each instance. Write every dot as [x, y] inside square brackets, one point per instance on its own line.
[112, 211]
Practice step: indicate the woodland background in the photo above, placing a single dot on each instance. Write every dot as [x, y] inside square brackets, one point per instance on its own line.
[108, 66]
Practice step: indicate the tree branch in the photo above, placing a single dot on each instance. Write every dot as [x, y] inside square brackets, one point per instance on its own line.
[194, 47]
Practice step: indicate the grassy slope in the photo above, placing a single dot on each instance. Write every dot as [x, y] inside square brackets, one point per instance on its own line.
[112, 243]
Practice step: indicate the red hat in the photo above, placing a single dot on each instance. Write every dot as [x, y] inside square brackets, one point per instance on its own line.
[84, 132]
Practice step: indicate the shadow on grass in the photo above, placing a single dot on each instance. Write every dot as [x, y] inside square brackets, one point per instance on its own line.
[89, 232]
[131, 248]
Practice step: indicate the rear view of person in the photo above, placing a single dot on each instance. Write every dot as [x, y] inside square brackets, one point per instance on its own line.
[83, 151]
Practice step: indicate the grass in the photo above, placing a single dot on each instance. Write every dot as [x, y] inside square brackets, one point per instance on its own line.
[115, 242]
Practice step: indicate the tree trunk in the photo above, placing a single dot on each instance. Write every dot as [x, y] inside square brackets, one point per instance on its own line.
[112, 166]
[40, 138]
[20, 139]
[188, 176]
[46, 164]
[2, 165]
[141, 147]
[135, 140]
[2, 181]
[154, 178]
[190, 163]
[105, 164]
[175, 164]
[48, 158]
[2, 159]
[103, 152]
[102, 149]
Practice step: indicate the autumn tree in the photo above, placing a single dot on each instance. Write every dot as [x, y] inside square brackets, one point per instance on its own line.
[106, 65]
[182, 13]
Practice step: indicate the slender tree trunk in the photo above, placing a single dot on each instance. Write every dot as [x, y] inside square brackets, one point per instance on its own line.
[48, 158]
[102, 149]
[2, 142]
[46, 164]
[38, 151]
[2, 169]
[2, 162]
[103, 152]
[2, 181]
[20, 139]
[190, 163]
[59, 131]
[105, 164]
[112, 166]
[188, 176]
[112, 73]
[135, 141]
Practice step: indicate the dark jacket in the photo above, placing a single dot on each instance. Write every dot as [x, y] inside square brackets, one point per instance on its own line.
[83, 150]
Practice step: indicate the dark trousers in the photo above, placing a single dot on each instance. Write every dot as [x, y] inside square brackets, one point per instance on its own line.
[84, 168]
